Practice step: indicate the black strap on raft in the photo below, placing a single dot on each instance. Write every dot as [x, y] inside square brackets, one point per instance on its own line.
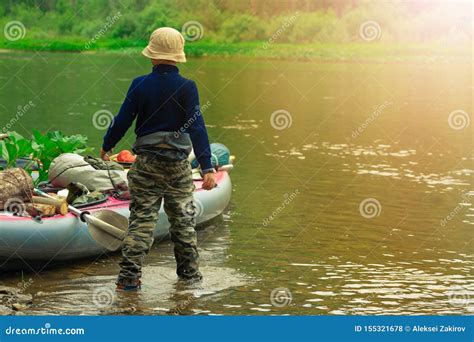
[67, 169]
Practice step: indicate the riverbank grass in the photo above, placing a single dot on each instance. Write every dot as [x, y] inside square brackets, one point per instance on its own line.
[259, 49]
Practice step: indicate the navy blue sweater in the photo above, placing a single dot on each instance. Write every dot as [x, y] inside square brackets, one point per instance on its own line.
[162, 101]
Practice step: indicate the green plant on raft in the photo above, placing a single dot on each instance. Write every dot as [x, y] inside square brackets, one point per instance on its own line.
[41, 149]
[13, 147]
[51, 145]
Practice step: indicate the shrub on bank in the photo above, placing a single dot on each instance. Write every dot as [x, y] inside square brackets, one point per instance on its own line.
[242, 28]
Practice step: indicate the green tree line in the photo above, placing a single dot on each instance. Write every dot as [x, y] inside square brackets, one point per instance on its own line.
[287, 21]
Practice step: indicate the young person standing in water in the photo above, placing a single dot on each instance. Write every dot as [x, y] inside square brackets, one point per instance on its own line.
[163, 103]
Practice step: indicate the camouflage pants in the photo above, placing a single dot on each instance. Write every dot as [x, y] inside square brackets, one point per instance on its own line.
[151, 181]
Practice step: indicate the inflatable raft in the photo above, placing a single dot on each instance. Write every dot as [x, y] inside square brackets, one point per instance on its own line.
[60, 238]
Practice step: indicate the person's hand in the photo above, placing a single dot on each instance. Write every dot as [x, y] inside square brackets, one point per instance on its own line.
[209, 181]
[104, 154]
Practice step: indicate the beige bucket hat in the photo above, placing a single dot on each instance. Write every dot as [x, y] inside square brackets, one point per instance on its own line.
[166, 43]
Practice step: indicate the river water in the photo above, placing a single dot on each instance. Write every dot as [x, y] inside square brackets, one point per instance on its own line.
[354, 197]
